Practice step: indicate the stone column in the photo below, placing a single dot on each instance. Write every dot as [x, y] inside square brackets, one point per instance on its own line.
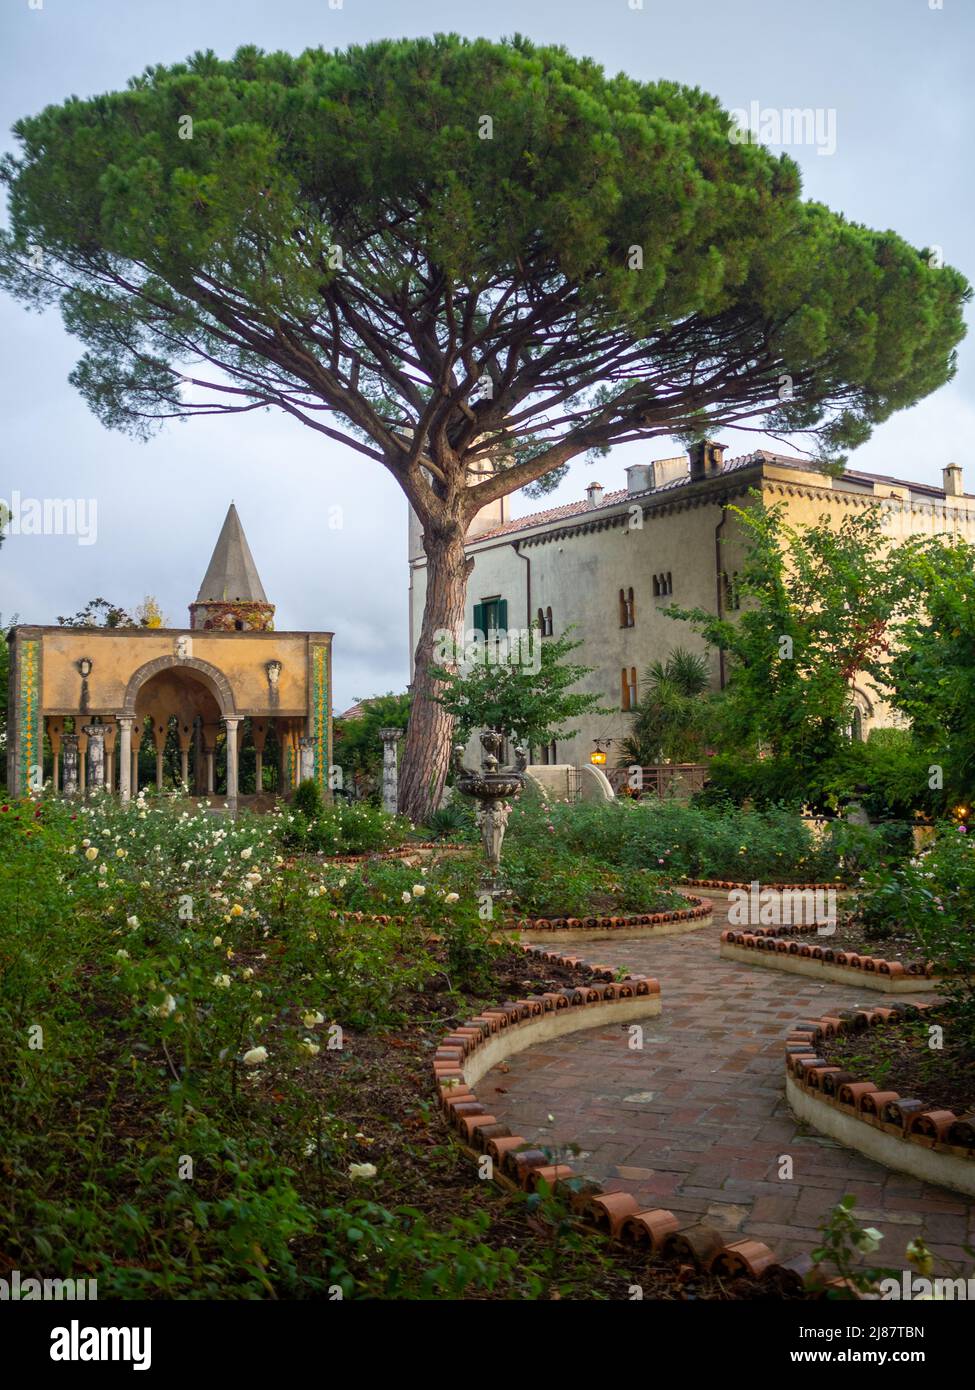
[82, 738]
[259, 735]
[138, 729]
[390, 738]
[111, 737]
[231, 726]
[70, 744]
[125, 722]
[184, 736]
[55, 731]
[199, 764]
[306, 755]
[95, 734]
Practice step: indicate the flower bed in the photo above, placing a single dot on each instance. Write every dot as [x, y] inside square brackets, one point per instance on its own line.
[934, 1144]
[398, 852]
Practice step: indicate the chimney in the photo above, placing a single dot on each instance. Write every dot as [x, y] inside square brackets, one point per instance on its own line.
[594, 494]
[639, 478]
[954, 487]
[706, 459]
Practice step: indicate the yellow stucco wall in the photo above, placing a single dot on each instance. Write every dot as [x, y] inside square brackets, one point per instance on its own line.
[117, 654]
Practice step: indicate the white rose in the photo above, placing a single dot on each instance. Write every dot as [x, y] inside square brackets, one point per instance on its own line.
[362, 1170]
[419, 889]
[255, 1057]
[222, 981]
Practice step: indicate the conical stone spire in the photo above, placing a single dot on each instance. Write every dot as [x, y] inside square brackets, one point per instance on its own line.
[232, 597]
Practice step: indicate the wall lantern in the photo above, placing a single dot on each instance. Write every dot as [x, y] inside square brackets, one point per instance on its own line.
[84, 666]
[598, 755]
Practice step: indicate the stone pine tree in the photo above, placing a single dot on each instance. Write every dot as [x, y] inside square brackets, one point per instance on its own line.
[446, 253]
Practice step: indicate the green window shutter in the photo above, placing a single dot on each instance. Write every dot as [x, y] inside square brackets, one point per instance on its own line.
[502, 615]
[479, 617]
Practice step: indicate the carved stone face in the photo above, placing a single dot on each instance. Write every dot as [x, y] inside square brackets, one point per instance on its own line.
[182, 647]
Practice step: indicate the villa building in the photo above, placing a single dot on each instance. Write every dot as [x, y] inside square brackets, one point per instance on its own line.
[608, 565]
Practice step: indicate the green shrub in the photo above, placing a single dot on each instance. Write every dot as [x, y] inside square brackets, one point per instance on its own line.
[345, 828]
[933, 896]
[308, 799]
[453, 821]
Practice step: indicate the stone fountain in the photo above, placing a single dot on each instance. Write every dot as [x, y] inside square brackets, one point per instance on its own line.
[491, 787]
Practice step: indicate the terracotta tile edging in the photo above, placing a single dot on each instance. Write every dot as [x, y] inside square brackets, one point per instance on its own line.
[728, 885]
[640, 923]
[760, 946]
[472, 1049]
[937, 1146]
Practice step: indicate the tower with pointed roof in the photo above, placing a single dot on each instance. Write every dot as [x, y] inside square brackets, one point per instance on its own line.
[232, 597]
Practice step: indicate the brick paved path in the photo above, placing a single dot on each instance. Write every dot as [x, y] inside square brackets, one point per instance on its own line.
[697, 1121]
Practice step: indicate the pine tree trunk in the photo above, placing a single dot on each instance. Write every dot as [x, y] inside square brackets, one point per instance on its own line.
[425, 759]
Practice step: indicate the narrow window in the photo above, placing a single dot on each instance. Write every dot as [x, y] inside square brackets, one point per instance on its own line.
[628, 688]
[548, 625]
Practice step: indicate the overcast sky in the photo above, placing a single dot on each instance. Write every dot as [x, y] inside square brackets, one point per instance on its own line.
[896, 73]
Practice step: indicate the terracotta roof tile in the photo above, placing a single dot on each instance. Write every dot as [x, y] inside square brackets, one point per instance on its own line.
[571, 510]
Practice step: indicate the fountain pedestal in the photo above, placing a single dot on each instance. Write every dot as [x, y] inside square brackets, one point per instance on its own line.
[491, 787]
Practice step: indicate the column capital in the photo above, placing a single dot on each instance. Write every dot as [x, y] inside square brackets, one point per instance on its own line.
[125, 720]
[390, 735]
[95, 731]
[231, 721]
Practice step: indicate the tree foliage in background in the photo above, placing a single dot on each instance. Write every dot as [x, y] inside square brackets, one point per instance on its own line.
[674, 719]
[98, 612]
[449, 253]
[818, 604]
[357, 747]
[931, 676]
[4, 689]
[530, 707]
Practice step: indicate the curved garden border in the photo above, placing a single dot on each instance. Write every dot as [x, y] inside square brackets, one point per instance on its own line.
[937, 1146]
[826, 963]
[471, 1050]
[635, 924]
[720, 888]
